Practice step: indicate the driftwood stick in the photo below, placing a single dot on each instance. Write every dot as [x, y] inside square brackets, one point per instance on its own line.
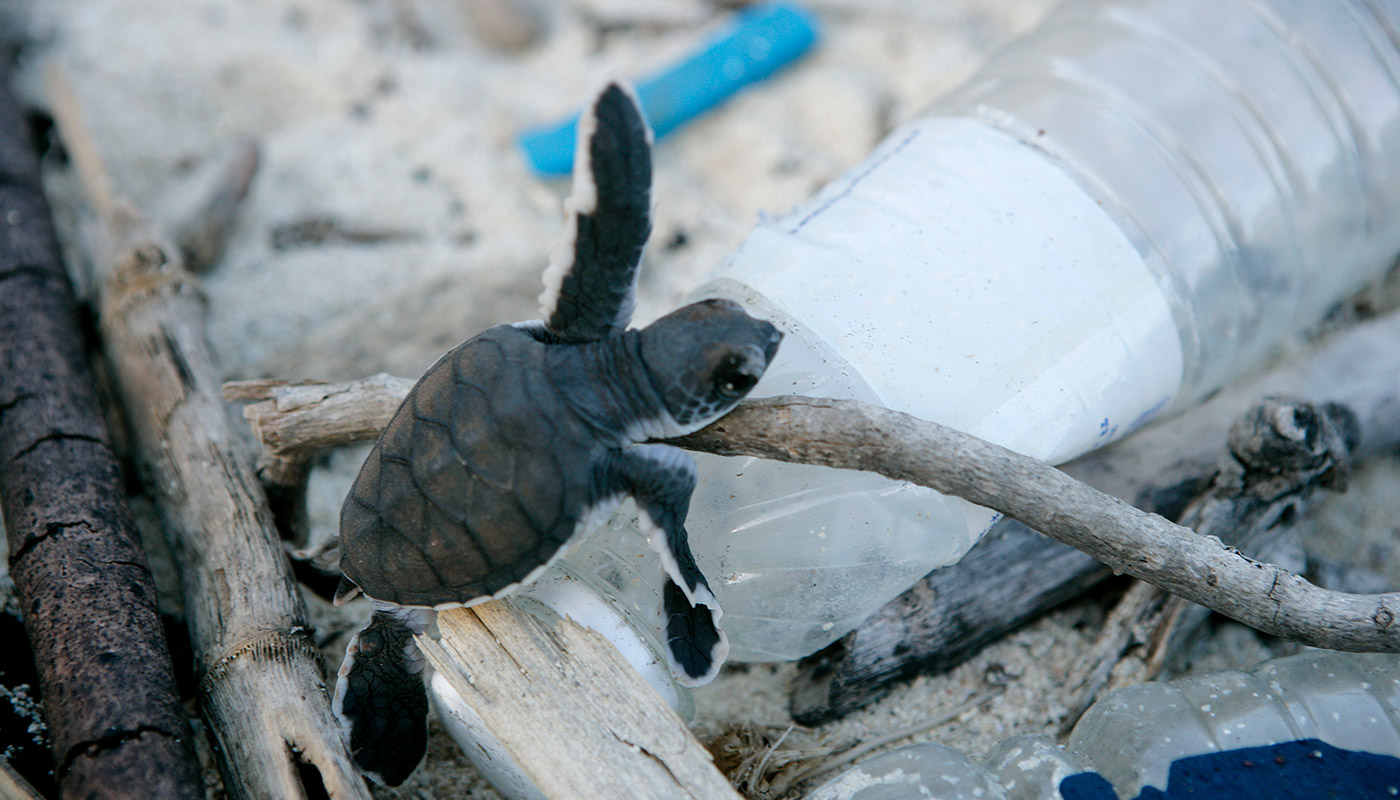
[850, 435]
[1014, 574]
[1280, 455]
[575, 716]
[1009, 578]
[114, 716]
[260, 676]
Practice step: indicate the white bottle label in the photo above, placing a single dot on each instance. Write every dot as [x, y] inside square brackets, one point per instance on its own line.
[970, 281]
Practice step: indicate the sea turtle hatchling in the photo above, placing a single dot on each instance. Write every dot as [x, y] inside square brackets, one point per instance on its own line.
[521, 439]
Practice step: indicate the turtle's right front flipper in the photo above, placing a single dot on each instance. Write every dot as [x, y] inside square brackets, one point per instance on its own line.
[661, 479]
[380, 698]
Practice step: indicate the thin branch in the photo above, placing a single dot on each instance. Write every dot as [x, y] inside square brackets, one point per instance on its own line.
[850, 435]
[1281, 455]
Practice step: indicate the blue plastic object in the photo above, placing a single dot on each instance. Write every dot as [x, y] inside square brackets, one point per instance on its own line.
[762, 39]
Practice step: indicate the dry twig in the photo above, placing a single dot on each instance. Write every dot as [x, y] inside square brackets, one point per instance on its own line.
[850, 435]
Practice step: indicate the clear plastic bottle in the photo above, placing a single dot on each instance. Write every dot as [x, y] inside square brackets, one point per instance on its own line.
[1111, 219]
[1320, 705]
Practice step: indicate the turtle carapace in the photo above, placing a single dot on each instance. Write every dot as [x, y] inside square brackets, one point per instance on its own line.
[519, 439]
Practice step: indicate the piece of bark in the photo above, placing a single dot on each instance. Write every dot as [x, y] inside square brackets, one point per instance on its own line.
[1015, 574]
[260, 677]
[114, 715]
[576, 717]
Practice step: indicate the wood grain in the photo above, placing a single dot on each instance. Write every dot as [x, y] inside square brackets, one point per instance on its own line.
[577, 718]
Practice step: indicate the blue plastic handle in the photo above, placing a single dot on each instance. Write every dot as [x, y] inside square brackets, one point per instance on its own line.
[763, 39]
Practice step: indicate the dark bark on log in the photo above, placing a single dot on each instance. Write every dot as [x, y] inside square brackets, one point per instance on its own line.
[114, 716]
[1015, 574]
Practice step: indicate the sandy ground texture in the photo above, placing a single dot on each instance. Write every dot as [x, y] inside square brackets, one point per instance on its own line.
[393, 217]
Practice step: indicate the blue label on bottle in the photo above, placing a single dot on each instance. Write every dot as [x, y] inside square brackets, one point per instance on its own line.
[1307, 769]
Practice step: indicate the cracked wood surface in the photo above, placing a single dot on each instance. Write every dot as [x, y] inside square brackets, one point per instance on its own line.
[114, 716]
[579, 721]
[260, 676]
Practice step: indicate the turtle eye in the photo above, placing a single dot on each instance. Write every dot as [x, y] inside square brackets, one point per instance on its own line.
[732, 380]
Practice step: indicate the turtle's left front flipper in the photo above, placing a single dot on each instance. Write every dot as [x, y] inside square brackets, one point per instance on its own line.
[661, 479]
[591, 282]
[380, 698]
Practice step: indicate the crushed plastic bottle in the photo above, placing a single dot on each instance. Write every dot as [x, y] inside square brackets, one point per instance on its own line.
[1111, 219]
[1317, 724]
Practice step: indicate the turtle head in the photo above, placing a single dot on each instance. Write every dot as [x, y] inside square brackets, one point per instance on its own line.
[704, 357]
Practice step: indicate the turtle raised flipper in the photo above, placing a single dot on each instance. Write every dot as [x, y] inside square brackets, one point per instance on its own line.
[589, 285]
[661, 479]
[380, 698]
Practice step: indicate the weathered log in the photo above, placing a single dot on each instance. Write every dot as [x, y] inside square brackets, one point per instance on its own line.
[1015, 574]
[114, 716]
[260, 679]
[567, 707]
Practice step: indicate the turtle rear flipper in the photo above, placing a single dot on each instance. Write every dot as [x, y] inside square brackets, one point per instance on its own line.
[380, 698]
[591, 282]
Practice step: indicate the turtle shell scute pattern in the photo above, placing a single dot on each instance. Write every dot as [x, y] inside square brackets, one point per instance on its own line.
[480, 477]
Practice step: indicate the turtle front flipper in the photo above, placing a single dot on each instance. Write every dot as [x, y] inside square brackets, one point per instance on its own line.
[661, 479]
[380, 698]
[590, 285]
